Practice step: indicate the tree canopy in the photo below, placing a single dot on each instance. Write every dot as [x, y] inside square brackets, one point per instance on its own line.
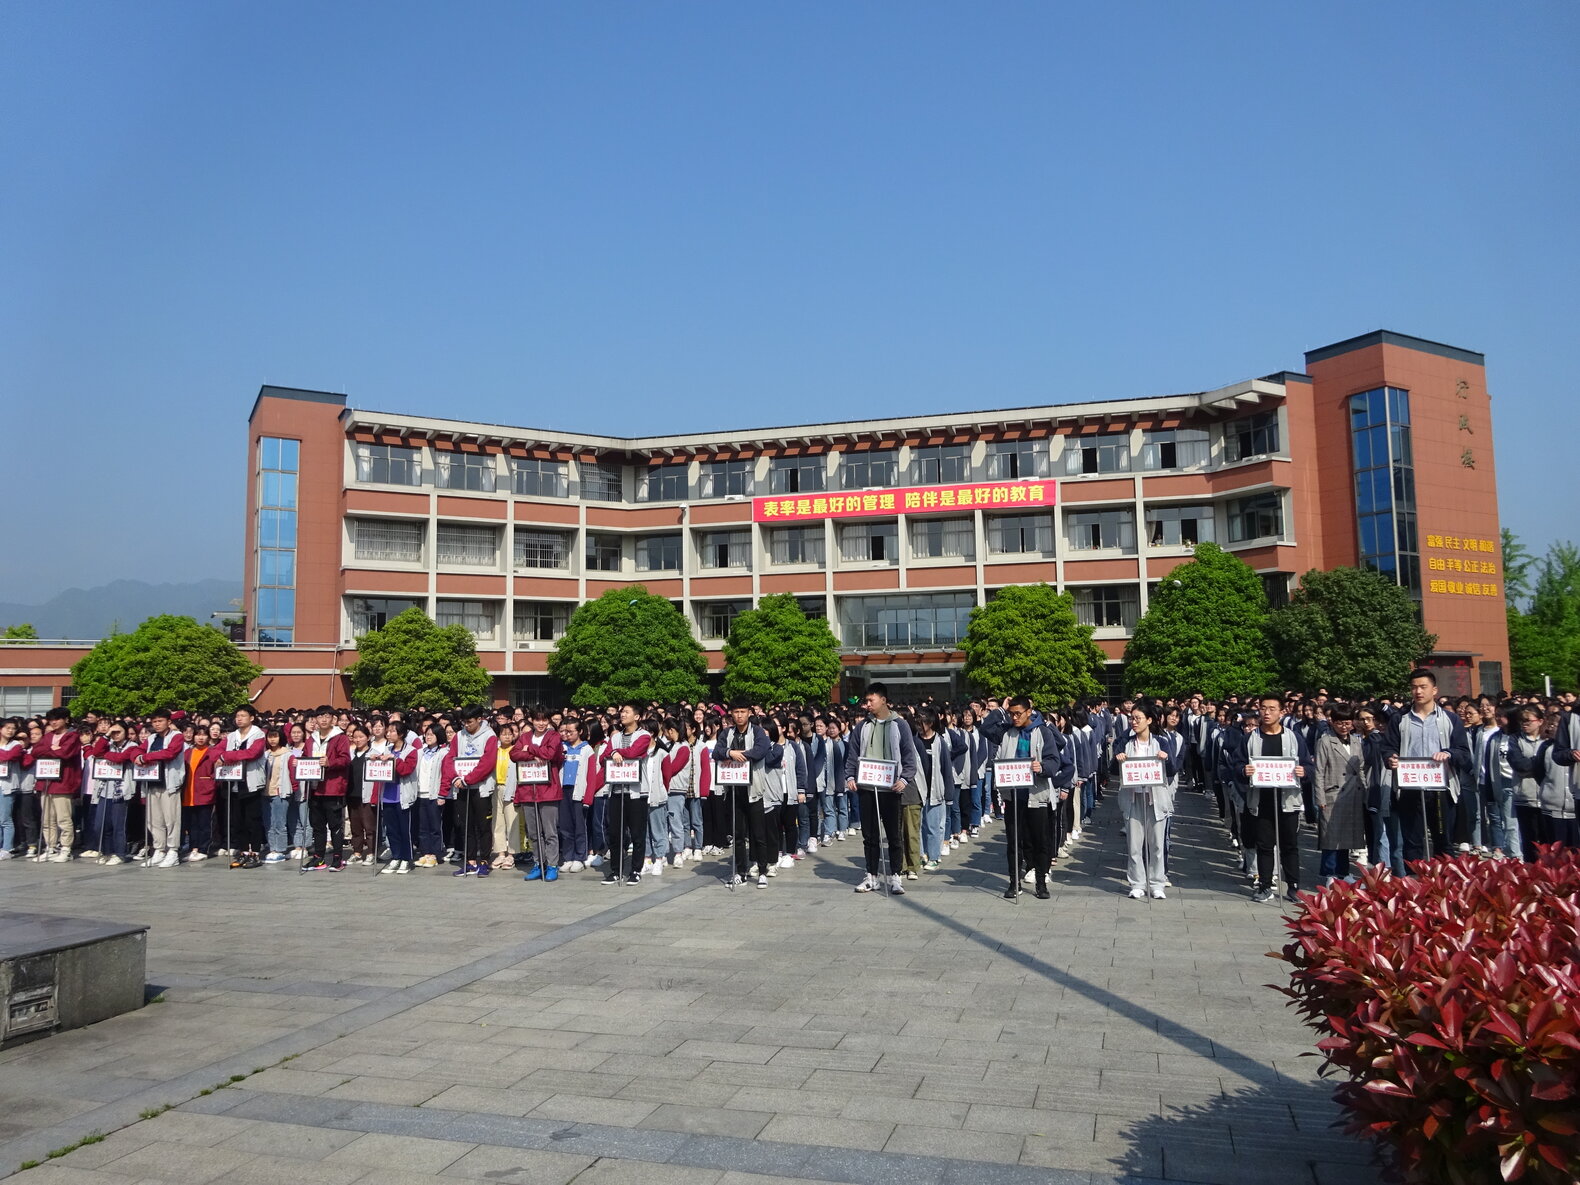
[1349, 630]
[1204, 630]
[776, 654]
[412, 661]
[629, 645]
[1027, 641]
[1544, 640]
[25, 632]
[167, 662]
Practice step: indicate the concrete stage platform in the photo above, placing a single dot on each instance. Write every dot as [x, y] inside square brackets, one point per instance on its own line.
[62, 973]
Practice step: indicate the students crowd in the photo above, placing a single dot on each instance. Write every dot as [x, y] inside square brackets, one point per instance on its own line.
[629, 792]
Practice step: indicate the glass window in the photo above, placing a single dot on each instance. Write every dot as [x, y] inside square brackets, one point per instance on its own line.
[796, 475]
[941, 464]
[603, 553]
[479, 617]
[279, 489]
[456, 543]
[277, 567]
[796, 545]
[1385, 516]
[916, 619]
[464, 471]
[532, 478]
[276, 528]
[32, 701]
[374, 613]
[1097, 454]
[661, 483]
[1014, 534]
[944, 538]
[602, 483]
[869, 542]
[724, 479]
[542, 549]
[1180, 526]
[658, 553]
[389, 464]
[1012, 460]
[276, 607]
[1175, 448]
[714, 618]
[1261, 516]
[876, 470]
[1100, 530]
[1276, 586]
[725, 549]
[1251, 436]
[1108, 606]
[386, 539]
[813, 606]
[540, 621]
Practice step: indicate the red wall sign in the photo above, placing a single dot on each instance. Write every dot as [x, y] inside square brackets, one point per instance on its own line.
[991, 495]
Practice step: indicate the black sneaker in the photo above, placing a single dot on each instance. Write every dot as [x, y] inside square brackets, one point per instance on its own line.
[1263, 896]
[1292, 894]
[633, 879]
[314, 864]
[1042, 893]
[610, 879]
[1011, 893]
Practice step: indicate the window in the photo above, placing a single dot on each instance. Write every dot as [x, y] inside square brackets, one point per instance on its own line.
[796, 475]
[661, 483]
[1385, 510]
[658, 553]
[602, 483]
[455, 543]
[389, 464]
[274, 616]
[603, 553]
[869, 542]
[480, 617]
[715, 617]
[1011, 460]
[944, 538]
[1013, 534]
[387, 540]
[1261, 516]
[796, 545]
[1175, 448]
[542, 549]
[1108, 606]
[725, 549]
[1276, 586]
[1179, 526]
[1097, 454]
[813, 606]
[1100, 530]
[26, 701]
[942, 464]
[540, 621]
[532, 478]
[374, 613]
[860, 471]
[464, 471]
[917, 619]
[1252, 436]
[724, 479]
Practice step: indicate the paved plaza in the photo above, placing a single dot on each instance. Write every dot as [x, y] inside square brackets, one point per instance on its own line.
[393, 1029]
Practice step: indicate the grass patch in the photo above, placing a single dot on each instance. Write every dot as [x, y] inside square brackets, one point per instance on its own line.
[159, 999]
[56, 1154]
[153, 1112]
[25, 1165]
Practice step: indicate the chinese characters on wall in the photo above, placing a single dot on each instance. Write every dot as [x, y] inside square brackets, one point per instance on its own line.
[1466, 558]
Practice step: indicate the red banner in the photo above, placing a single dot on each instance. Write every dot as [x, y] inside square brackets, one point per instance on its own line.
[990, 495]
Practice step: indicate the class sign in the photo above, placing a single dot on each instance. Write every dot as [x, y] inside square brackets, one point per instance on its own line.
[990, 495]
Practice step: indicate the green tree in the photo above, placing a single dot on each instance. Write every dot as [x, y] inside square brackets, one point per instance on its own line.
[20, 633]
[629, 645]
[167, 662]
[1517, 564]
[412, 661]
[1349, 630]
[1026, 641]
[1544, 642]
[776, 654]
[1204, 630]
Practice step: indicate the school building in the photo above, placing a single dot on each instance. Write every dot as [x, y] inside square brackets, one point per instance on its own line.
[1379, 453]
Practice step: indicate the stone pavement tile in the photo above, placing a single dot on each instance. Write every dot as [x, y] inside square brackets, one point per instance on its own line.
[708, 1121]
[1334, 1173]
[401, 1092]
[285, 1080]
[185, 1164]
[996, 1147]
[600, 1085]
[381, 1065]
[778, 1077]
[486, 1100]
[839, 1133]
[627, 1172]
[1031, 1121]
[112, 1147]
[1129, 1082]
[787, 1102]
[518, 1166]
[725, 1051]
[854, 1164]
[669, 1067]
[894, 1083]
[801, 1038]
[699, 1092]
[575, 1108]
[58, 1172]
[262, 1168]
[823, 1059]
[182, 1127]
[295, 1140]
[883, 1025]
[411, 1153]
[951, 1090]
[917, 1112]
[1111, 1157]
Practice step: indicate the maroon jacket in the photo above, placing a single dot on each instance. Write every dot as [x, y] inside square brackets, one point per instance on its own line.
[551, 749]
[486, 770]
[337, 766]
[199, 790]
[66, 747]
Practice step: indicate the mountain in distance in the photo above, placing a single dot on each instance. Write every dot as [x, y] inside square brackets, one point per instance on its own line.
[91, 613]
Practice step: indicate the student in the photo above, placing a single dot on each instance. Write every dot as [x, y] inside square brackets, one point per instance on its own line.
[539, 755]
[1384, 844]
[596, 807]
[56, 760]
[11, 779]
[198, 795]
[116, 749]
[825, 770]
[279, 791]
[164, 750]
[628, 799]
[397, 797]
[575, 796]
[1275, 811]
[1146, 808]
[1429, 733]
[244, 745]
[429, 768]
[470, 769]
[362, 795]
[1340, 792]
[679, 773]
[1544, 801]
[938, 755]
[507, 818]
[327, 745]
[885, 742]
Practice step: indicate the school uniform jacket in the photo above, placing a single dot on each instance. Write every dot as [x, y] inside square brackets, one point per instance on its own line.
[482, 747]
[66, 747]
[550, 748]
[337, 764]
[248, 752]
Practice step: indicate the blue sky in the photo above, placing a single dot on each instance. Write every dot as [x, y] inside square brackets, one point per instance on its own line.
[627, 216]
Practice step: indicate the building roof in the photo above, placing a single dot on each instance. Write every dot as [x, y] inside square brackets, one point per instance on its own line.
[1387, 337]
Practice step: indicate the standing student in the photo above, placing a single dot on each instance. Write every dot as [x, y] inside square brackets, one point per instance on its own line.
[677, 768]
[628, 799]
[11, 781]
[1340, 793]
[327, 745]
[596, 808]
[508, 838]
[539, 754]
[470, 771]
[429, 767]
[825, 769]
[164, 751]
[1275, 811]
[117, 750]
[245, 745]
[745, 742]
[362, 795]
[1384, 845]
[198, 796]
[938, 756]
[1429, 733]
[885, 743]
[278, 791]
[575, 794]
[1146, 808]
[397, 798]
[56, 759]
[1028, 810]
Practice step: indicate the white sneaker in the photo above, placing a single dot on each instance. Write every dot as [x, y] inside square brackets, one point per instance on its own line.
[773, 869]
[91, 854]
[223, 852]
[869, 884]
[113, 860]
[811, 844]
[1031, 875]
[390, 868]
[679, 861]
[655, 869]
[1158, 895]
[895, 886]
[170, 859]
[762, 882]
[595, 861]
[1138, 894]
[194, 857]
[787, 861]
[60, 857]
[577, 866]
[402, 867]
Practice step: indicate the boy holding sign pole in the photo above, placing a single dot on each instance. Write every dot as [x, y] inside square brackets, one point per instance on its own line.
[880, 762]
[539, 754]
[242, 754]
[470, 767]
[738, 755]
[630, 773]
[1276, 759]
[1033, 771]
[160, 769]
[1436, 758]
[57, 767]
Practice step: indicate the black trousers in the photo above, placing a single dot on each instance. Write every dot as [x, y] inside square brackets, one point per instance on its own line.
[749, 827]
[716, 809]
[885, 807]
[1275, 826]
[327, 817]
[1426, 823]
[477, 817]
[247, 819]
[625, 821]
[1028, 835]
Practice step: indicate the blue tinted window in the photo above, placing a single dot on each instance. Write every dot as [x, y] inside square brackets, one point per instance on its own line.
[1368, 533]
[277, 567]
[289, 453]
[1398, 405]
[1363, 451]
[268, 453]
[279, 489]
[1380, 493]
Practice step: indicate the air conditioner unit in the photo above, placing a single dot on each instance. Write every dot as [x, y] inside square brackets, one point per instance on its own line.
[735, 497]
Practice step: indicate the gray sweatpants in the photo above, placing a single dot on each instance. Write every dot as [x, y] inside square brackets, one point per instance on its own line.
[541, 822]
[164, 820]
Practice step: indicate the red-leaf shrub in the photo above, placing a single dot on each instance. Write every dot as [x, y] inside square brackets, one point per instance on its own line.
[1451, 998]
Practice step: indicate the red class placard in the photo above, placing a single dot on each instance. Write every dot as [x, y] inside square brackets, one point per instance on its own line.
[989, 495]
